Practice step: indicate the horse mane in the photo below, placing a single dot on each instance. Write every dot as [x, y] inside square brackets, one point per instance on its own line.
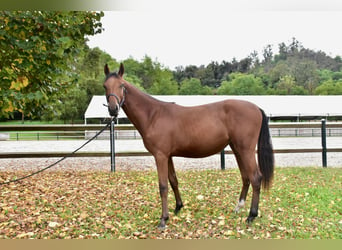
[149, 96]
[114, 74]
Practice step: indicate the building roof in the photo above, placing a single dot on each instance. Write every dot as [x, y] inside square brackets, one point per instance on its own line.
[274, 106]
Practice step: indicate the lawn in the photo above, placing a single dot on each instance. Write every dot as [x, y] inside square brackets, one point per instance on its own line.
[42, 135]
[303, 203]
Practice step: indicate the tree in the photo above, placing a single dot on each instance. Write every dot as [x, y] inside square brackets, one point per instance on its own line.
[280, 70]
[242, 84]
[73, 105]
[329, 87]
[38, 51]
[267, 53]
[164, 87]
[286, 83]
[164, 84]
[287, 86]
[193, 87]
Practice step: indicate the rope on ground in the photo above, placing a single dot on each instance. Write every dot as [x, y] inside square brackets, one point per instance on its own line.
[62, 159]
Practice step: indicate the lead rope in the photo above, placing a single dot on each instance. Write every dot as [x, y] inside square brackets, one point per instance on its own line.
[62, 159]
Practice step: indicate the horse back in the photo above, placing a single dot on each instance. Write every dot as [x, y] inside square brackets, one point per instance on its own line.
[203, 130]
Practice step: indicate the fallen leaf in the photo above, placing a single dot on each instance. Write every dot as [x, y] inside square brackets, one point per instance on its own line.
[200, 197]
[84, 215]
[53, 224]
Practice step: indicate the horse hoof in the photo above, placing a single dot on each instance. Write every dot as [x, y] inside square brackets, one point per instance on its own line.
[162, 223]
[161, 227]
[178, 208]
[250, 219]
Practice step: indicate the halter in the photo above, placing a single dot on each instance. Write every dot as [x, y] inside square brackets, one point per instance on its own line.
[120, 103]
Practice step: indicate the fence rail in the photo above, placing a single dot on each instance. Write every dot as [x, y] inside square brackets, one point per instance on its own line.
[6, 155]
[79, 132]
[87, 129]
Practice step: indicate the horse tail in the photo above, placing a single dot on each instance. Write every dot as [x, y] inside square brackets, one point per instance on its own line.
[265, 152]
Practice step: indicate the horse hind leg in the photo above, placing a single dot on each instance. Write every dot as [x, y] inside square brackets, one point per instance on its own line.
[255, 178]
[256, 184]
[243, 194]
[250, 175]
[174, 184]
[245, 181]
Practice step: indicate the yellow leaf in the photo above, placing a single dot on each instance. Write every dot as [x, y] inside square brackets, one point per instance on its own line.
[48, 62]
[21, 82]
[10, 108]
[19, 60]
[15, 85]
[24, 81]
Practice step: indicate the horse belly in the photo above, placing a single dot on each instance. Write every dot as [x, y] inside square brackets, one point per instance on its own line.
[201, 144]
[199, 151]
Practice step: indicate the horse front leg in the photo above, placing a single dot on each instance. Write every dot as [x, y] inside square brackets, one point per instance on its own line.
[174, 184]
[162, 168]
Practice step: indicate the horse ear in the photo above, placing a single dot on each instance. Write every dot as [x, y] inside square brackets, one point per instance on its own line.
[121, 70]
[106, 69]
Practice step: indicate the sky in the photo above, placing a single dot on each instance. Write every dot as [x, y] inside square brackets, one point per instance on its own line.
[194, 32]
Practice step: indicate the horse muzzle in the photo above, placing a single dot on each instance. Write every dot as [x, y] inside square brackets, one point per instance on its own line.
[113, 107]
[114, 110]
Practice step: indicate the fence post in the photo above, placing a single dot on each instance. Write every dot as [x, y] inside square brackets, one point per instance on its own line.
[324, 143]
[112, 147]
[223, 163]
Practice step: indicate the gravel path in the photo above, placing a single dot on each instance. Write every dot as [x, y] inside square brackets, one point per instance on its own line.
[147, 163]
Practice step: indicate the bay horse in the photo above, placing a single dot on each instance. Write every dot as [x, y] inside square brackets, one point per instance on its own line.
[171, 130]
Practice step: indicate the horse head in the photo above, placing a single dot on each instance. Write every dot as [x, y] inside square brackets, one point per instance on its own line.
[115, 90]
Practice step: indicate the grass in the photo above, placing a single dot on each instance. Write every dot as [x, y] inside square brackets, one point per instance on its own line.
[304, 203]
[42, 135]
[37, 122]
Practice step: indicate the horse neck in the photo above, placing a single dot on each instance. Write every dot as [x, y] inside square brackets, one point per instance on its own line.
[139, 107]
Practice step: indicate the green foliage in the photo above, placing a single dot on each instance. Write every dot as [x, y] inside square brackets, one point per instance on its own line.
[193, 87]
[45, 59]
[147, 71]
[164, 86]
[73, 104]
[37, 48]
[329, 87]
[287, 86]
[303, 203]
[75, 99]
[242, 84]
